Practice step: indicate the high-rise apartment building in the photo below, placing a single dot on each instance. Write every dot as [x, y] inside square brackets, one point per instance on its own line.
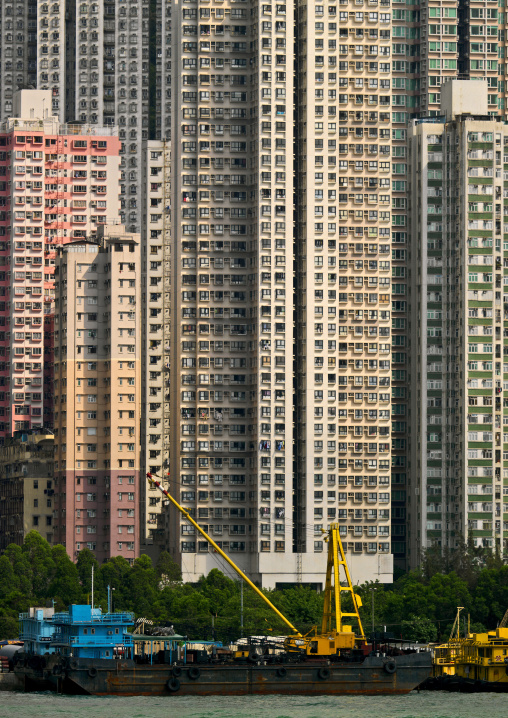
[280, 286]
[97, 388]
[58, 183]
[156, 331]
[432, 42]
[459, 255]
[343, 327]
[232, 289]
[105, 63]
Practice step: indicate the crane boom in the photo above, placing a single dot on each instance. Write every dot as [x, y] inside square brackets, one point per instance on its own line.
[224, 555]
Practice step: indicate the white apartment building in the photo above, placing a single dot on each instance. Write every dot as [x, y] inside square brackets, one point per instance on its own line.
[266, 448]
[343, 283]
[156, 328]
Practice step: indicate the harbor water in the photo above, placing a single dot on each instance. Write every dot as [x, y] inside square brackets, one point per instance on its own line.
[415, 705]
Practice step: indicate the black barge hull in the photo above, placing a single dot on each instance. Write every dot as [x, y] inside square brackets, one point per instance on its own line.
[373, 676]
[459, 684]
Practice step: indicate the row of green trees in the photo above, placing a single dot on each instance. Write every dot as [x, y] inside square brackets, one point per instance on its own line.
[419, 605]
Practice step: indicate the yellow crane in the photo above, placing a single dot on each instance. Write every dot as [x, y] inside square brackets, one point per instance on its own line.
[335, 634]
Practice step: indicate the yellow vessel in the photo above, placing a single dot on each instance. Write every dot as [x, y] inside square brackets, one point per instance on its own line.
[474, 663]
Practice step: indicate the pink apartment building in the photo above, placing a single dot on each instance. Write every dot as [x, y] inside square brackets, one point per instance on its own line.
[58, 184]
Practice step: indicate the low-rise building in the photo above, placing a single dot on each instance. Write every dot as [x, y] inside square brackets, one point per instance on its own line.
[26, 487]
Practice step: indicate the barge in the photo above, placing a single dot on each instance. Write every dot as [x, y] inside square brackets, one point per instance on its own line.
[85, 651]
[372, 675]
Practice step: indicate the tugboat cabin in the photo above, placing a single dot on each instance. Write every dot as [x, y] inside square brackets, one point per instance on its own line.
[81, 632]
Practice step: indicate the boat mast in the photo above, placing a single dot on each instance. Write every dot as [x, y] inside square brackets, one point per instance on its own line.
[504, 620]
[224, 555]
[456, 623]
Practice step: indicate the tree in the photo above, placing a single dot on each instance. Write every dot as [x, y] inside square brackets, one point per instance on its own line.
[9, 626]
[86, 559]
[301, 605]
[467, 560]
[446, 592]
[188, 609]
[432, 562]
[420, 629]
[8, 582]
[22, 568]
[114, 573]
[38, 552]
[217, 588]
[388, 607]
[142, 587]
[168, 571]
[64, 588]
[491, 596]
[477, 627]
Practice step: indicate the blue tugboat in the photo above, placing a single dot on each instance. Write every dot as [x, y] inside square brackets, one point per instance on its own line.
[54, 641]
[86, 651]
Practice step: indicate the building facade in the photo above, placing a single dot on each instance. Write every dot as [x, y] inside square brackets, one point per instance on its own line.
[280, 287]
[58, 183]
[26, 487]
[363, 72]
[97, 388]
[458, 323]
[273, 135]
[104, 62]
[343, 371]
[156, 331]
[433, 42]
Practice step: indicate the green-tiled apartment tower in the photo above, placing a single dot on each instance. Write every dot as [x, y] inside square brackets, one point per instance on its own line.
[433, 41]
[459, 322]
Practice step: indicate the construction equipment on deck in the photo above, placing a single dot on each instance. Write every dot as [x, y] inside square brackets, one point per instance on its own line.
[335, 635]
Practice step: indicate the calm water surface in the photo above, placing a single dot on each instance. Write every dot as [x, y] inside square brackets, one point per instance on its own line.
[414, 705]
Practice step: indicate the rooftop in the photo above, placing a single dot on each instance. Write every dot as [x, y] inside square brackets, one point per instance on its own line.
[52, 126]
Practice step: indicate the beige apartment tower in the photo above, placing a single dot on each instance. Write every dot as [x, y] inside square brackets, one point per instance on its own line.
[97, 387]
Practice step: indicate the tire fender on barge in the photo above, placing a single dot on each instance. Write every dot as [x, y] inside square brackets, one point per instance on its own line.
[173, 685]
[389, 667]
[324, 673]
